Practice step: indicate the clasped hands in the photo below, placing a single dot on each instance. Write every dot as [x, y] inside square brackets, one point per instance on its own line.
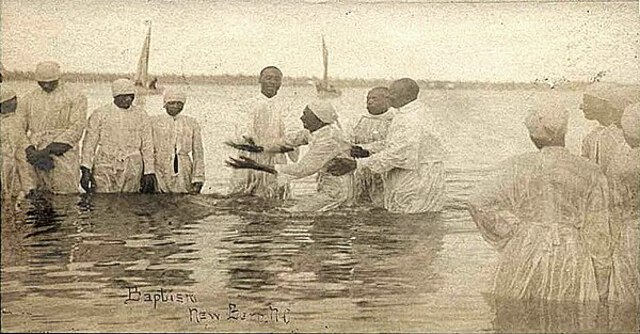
[41, 159]
[335, 167]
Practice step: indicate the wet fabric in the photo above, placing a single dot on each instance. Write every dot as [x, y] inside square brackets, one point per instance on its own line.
[59, 116]
[623, 173]
[547, 214]
[601, 144]
[325, 144]
[412, 159]
[16, 171]
[370, 133]
[118, 145]
[179, 154]
[268, 121]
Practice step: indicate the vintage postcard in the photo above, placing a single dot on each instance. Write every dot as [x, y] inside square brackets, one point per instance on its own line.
[320, 166]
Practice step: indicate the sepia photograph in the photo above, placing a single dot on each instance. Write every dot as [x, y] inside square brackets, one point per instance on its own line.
[320, 166]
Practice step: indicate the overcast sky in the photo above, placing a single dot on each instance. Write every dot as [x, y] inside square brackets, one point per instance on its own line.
[440, 41]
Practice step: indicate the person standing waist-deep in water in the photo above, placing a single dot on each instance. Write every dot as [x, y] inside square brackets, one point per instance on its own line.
[328, 156]
[605, 103]
[15, 168]
[370, 133]
[265, 120]
[623, 174]
[179, 154]
[547, 214]
[117, 152]
[412, 157]
[55, 116]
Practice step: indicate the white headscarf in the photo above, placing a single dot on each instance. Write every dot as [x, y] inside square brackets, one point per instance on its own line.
[324, 110]
[547, 123]
[47, 71]
[174, 95]
[122, 87]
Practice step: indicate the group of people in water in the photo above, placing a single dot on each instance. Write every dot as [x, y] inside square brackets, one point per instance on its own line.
[566, 226]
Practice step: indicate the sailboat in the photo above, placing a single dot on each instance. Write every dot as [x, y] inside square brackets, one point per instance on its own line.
[145, 83]
[324, 88]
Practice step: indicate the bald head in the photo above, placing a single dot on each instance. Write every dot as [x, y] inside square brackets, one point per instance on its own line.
[378, 100]
[402, 92]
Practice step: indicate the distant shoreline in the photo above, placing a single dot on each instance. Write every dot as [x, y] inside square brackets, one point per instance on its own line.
[247, 80]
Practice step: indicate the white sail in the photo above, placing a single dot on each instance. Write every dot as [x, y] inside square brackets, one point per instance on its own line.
[142, 75]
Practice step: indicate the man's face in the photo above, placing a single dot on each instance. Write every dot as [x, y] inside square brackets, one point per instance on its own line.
[377, 102]
[9, 106]
[124, 101]
[48, 86]
[310, 121]
[594, 109]
[174, 107]
[270, 82]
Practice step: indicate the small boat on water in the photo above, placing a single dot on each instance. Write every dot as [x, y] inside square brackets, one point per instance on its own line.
[324, 88]
[144, 83]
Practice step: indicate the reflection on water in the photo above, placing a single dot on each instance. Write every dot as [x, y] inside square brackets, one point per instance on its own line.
[71, 262]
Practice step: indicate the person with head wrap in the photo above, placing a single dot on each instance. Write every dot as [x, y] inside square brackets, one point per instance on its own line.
[623, 174]
[369, 134]
[179, 153]
[117, 152]
[547, 214]
[412, 156]
[265, 121]
[327, 156]
[16, 172]
[55, 116]
[605, 103]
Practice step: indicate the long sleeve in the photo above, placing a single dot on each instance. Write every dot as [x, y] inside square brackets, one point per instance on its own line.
[78, 119]
[321, 151]
[492, 204]
[198, 155]
[91, 139]
[401, 149]
[146, 145]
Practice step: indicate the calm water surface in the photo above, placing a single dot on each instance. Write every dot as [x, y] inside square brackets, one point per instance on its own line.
[203, 263]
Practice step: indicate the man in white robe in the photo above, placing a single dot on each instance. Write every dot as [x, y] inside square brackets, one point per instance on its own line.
[412, 157]
[264, 121]
[178, 149]
[55, 116]
[547, 214]
[117, 152]
[370, 133]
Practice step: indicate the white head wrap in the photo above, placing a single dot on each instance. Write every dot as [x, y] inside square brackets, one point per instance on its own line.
[618, 96]
[6, 95]
[48, 71]
[548, 123]
[631, 122]
[122, 87]
[174, 95]
[324, 110]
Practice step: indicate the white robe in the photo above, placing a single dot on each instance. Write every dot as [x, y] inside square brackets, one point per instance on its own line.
[370, 133]
[178, 138]
[325, 144]
[17, 174]
[547, 214]
[118, 145]
[268, 121]
[412, 159]
[59, 116]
